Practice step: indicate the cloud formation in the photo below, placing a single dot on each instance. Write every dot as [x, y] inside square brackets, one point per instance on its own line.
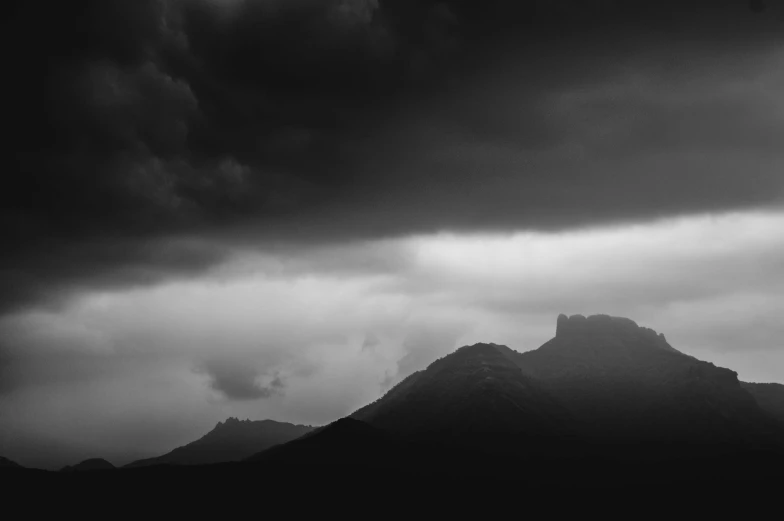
[137, 124]
[239, 381]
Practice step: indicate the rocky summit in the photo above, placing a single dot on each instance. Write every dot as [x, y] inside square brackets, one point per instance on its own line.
[625, 381]
[609, 329]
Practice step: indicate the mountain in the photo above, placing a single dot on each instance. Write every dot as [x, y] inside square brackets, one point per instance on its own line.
[232, 440]
[625, 381]
[349, 447]
[601, 381]
[770, 397]
[345, 441]
[605, 414]
[89, 465]
[604, 401]
[6, 463]
[468, 397]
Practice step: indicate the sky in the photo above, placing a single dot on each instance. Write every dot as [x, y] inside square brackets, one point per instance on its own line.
[280, 208]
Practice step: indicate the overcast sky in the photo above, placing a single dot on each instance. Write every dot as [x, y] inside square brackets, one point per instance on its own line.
[280, 208]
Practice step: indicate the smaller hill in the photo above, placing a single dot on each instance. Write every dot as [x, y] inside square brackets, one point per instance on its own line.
[89, 465]
[232, 440]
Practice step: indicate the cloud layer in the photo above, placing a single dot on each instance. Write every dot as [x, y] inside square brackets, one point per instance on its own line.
[141, 129]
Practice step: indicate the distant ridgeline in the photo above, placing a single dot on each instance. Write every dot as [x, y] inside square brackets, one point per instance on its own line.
[232, 440]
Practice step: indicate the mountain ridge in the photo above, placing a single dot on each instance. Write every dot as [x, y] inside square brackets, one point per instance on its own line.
[627, 380]
[469, 397]
[607, 377]
[230, 440]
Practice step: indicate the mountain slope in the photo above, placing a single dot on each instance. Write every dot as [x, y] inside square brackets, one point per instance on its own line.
[470, 396]
[232, 440]
[89, 465]
[343, 442]
[6, 463]
[770, 397]
[350, 447]
[623, 380]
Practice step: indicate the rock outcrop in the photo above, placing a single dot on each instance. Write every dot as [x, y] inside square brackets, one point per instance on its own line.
[626, 381]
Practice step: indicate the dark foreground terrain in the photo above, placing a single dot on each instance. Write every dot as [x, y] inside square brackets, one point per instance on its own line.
[470, 484]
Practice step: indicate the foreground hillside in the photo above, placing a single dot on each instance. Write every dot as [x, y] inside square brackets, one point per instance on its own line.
[360, 472]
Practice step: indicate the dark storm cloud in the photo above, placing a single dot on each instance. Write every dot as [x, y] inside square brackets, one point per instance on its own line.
[50, 274]
[239, 381]
[370, 342]
[135, 122]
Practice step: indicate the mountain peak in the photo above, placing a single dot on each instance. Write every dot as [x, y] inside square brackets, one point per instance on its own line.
[232, 422]
[468, 396]
[604, 325]
[580, 324]
[479, 349]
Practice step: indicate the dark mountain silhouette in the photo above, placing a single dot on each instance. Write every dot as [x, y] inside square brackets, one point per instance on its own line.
[473, 394]
[602, 402]
[604, 406]
[341, 442]
[232, 440]
[89, 465]
[353, 446]
[601, 379]
[626, 381]
[6, 463]
[770, 397]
